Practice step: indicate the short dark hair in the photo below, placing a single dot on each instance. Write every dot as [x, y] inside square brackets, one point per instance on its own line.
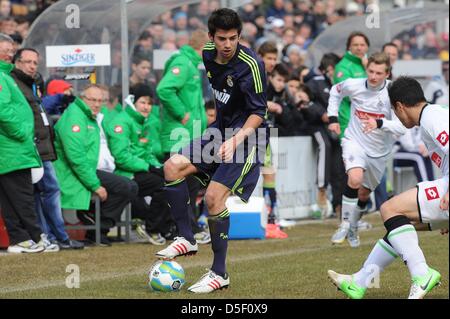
[389, 44]
[19, 52]
[328, 59]
[281, 70]
[210, 105]
[354, 35]
[267, 48]
[138, 58]
[224, 19]
[407, 91]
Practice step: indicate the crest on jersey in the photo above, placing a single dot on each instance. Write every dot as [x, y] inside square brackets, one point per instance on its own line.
[230, 81]
[443, 138]
[75, 128]
[176, 71]
[209, 74]
[339, 74]
[432, 193]
[118, 129]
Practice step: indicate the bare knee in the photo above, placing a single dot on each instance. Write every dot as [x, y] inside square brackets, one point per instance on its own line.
[215, 200]
[387, 210]
[355, 178]
[173, 168]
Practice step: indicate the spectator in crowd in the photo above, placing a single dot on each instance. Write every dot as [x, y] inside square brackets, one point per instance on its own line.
[144, 46]
[5, 8]
[413, 153]
[181, 21]
[276, 10]
[320, 86]
[141, 67]
[210, 108]
[113, 73]
[47, 195]
[391, 50]
[23, 26]
[180, 91]
[8, 26]
[59, 96]
[294, 58]
[85, 164]
[436, 91]
[19, 156]
[131, 146]
[156, 30]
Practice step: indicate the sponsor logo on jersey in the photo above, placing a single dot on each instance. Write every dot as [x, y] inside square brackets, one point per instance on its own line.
[367, 115]
[443, 138]
[339, 74]
[432, 193]
[143, 140]
[176, 71]
[75, 128]
[436, 159]
[118, 129]
[222, 97]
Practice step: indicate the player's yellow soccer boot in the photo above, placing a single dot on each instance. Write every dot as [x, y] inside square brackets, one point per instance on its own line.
[421, 285]
[346, 284]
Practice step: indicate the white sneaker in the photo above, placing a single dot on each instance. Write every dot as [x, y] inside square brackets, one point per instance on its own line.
[210, 282]
[363, 225]
[49, 247]
[27, 246]
[180, 247]
[353, 237]
[341, 233]
[286, 223]
[202, 237]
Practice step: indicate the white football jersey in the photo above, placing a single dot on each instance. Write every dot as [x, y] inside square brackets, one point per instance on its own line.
[366, 103]
[435, 134]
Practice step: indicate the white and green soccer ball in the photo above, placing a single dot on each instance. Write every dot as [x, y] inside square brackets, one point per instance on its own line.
[166, 276]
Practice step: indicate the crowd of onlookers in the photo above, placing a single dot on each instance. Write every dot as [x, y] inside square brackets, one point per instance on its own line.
[297, 104]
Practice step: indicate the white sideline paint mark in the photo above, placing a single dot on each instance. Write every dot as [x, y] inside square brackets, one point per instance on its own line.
[107, 276]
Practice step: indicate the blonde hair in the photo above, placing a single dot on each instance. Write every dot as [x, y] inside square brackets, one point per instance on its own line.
[198, 39]
[380, 58]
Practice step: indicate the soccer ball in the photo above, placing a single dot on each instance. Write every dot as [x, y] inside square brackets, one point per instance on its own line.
[166, 276]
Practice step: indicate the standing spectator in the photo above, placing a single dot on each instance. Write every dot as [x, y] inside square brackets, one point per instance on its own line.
[142, 72]
[5, 8]
[47, 195]
[18, 156]
[276, 10]
[85, 165]
[180, 91]
[436, 91]
[320, 86]
[391, 50]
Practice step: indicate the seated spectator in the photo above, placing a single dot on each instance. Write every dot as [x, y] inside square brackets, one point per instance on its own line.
[59, 96]
[131, 146]
[85, 165]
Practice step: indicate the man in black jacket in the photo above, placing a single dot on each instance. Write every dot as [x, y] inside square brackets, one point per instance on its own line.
[47, 194]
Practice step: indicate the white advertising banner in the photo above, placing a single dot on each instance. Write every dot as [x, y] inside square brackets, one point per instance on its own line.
[294, 159]
[68, 56]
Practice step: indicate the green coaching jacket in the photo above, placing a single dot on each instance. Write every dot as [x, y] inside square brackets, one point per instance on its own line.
[349, 67]
[17, 148]
[130, 143]
[77, 147]
[180, 92]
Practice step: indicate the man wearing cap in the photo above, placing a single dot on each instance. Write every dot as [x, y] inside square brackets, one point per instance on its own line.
[131, 143]
[18, 156]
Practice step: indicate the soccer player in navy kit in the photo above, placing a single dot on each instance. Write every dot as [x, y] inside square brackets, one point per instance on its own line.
[229, 163]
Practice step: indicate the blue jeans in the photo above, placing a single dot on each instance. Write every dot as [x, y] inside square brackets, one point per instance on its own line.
[48, 204]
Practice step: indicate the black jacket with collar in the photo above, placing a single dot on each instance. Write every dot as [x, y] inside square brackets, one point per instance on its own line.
[44, 135]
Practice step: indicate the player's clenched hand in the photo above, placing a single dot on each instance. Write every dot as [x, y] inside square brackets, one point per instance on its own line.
[444, 202]
[226, 150]
[369, 125]
[335, 127]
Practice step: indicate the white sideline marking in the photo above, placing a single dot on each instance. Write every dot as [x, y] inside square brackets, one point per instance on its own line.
[57, 283]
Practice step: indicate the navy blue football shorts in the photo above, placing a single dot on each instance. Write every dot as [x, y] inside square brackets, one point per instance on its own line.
[240, 175]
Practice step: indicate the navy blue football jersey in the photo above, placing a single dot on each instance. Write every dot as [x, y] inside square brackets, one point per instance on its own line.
[239, 87]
